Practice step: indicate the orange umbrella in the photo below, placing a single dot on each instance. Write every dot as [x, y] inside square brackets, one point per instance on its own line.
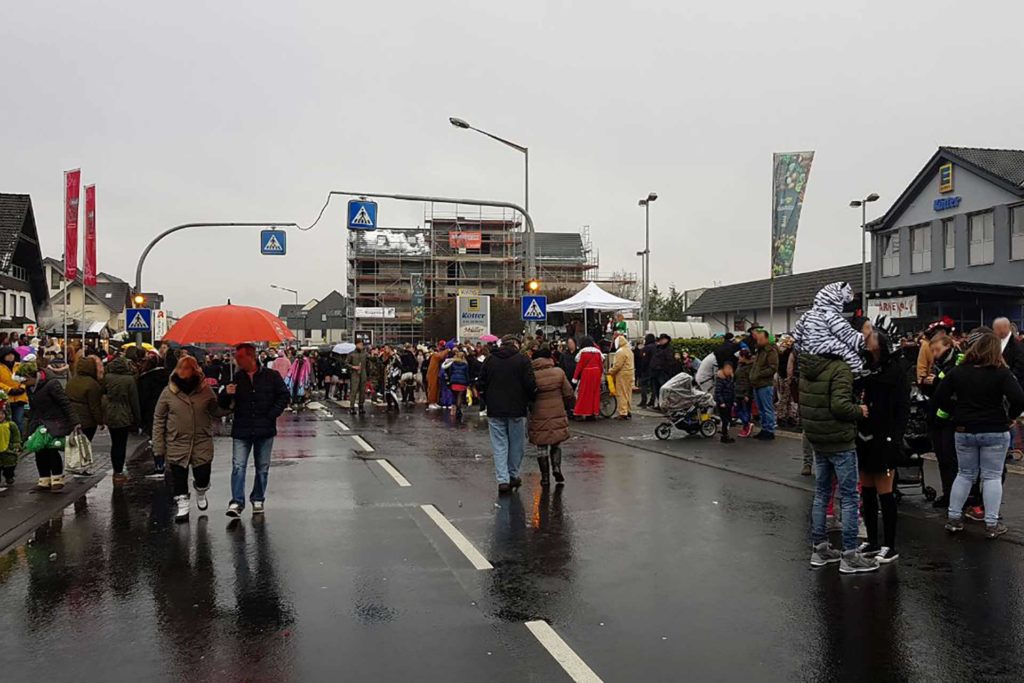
[229, 325]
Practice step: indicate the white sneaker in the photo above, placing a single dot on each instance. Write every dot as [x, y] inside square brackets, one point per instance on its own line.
[181, 515]
[887, 555]
[257, 507]
[433, 406]
[483, 413]
[201, 501]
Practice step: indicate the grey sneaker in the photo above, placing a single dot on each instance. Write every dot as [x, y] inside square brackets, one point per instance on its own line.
[257, 507]
[234, 510]
[854, 563]
[954, 526]
[995, 531]
[823, 554]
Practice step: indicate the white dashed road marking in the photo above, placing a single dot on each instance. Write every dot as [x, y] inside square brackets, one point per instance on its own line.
[341, 425]
[362, 442]
[461, 542]
[563, 654]
[395, 474]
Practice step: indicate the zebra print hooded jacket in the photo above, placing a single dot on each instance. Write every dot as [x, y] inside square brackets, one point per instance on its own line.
[824, 331]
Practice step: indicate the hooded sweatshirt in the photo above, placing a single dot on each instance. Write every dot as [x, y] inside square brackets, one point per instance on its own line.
[823, 331]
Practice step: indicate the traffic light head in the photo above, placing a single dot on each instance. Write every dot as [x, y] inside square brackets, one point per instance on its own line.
[139, 300]
[533, 286]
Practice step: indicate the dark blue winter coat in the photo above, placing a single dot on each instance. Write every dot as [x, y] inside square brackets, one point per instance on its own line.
[725, 391]
[257, 404]
[458, 373]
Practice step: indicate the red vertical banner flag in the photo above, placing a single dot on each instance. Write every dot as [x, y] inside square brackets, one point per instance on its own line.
[89, 265]
[72, 183]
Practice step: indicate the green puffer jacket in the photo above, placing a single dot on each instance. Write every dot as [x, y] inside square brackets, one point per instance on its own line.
[121, 402]
[827, 410]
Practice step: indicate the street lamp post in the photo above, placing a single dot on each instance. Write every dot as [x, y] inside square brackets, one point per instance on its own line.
[863, 204]
[286, 289]
[461, 123]
[645, 317]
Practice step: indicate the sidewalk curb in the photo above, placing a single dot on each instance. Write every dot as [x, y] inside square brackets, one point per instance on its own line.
[19, 533]
[760, 476]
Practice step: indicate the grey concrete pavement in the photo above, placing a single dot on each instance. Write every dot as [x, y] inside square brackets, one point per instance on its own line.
[649, 568]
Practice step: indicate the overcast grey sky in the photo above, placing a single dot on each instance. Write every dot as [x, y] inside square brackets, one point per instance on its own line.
[253, 110]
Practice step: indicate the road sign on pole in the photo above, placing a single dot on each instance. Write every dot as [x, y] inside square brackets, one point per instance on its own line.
[138, 319]
[362, 215]
[273, 242]
[535, 308]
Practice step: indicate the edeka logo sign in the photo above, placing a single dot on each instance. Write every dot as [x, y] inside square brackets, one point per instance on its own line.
[946, 203]
[945, 178]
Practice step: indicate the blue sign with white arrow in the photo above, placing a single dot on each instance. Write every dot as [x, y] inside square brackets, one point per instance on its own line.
[362, 215]
[535, 308]
[273, 242]
[138, 319]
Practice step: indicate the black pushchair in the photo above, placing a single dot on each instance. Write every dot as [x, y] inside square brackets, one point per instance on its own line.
[688, 408]
[916, 442]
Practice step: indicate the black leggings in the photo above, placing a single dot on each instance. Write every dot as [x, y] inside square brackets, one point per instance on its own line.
[200, 473]
[726, 415]
[49, 463]
[90, 432]
[118, 447]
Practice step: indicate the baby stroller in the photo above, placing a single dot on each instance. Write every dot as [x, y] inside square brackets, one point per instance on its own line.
[689, 409]
[909, 478]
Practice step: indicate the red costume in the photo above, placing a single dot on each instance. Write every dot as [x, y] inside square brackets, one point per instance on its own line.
[589, 369]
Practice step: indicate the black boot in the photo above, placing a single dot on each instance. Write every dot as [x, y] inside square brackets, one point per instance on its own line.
[556, 464]
[545, 470]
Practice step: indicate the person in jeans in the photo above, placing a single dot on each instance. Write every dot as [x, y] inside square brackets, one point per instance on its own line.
[829, 416]
[982, 397]
[508, 384]
[121, 411]
[762, 381]
[258, 397]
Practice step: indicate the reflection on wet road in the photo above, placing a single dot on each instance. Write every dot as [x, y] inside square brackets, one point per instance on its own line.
[647, 568]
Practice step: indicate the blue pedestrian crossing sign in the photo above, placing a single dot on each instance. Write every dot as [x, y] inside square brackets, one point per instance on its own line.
[535, 308]
[138, 319]
[273, 242]
[362, 215]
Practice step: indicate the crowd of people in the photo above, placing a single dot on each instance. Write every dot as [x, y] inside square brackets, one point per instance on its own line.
[165, 394]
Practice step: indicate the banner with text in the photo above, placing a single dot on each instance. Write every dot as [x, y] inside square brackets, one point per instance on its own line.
[472, 318]
[72, 184]
[789, 182]
[419, 295]
[896, 307]
[465, 240]
[89, 265]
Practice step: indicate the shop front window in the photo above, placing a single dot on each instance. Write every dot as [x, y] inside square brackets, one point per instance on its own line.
[981, 237]
[949, 242]
[1017, 232]
[921, 249]
[891, 254]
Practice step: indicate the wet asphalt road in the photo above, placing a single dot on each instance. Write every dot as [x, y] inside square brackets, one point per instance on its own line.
[649, 568]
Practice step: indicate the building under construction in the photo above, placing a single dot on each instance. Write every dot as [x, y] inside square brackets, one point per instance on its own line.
[398, 276]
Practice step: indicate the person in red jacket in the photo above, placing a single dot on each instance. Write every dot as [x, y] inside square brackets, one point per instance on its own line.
[589, 368]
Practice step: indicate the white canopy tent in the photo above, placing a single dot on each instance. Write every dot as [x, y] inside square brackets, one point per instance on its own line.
[593, 297]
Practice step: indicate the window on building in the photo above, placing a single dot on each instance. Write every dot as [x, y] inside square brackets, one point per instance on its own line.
[949, 243]
[3, 305]
[981, 239]
[55, 278]
[891, 254]
[921, 249]
[12, 304]
[1017, 232]
[24, 306]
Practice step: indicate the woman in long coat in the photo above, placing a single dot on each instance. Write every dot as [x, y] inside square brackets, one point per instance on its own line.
[589, 368]
[549, 424]
[624, 374]
[434, 376]
[183, 432]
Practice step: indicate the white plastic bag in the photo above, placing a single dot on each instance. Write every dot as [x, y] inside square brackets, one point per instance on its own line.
[77, 452]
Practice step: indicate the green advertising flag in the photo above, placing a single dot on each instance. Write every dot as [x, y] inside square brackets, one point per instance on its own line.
[789, 182]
